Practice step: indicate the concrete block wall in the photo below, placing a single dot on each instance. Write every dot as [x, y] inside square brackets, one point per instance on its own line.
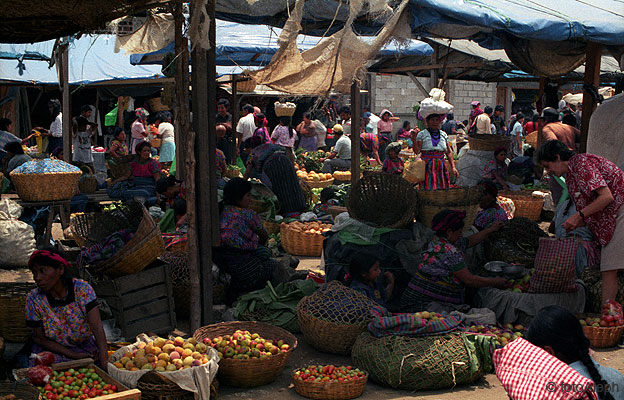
[399, 94]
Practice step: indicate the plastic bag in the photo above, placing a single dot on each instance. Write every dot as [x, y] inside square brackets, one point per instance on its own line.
[17, 238]
[431, 106]
[414, 171]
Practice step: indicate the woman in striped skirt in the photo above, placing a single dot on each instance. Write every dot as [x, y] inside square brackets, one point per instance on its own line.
[433, 145]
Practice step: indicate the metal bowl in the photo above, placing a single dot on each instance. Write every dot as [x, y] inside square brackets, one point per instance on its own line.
[513, 270]
[495, 266]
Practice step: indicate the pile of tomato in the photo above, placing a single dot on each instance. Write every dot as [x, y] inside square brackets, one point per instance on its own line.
[79, 384]
[329, 373]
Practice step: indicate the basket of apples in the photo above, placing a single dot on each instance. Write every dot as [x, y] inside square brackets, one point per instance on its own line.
[604, 330]
[329, 382]
[251, 353]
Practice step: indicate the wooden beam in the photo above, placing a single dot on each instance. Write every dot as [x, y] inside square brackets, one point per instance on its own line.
[592, 77]
[356, 113]
[431, 66]
[191, 219]
[183, 116]
[67, 114]
[419, 85]
[203, 74]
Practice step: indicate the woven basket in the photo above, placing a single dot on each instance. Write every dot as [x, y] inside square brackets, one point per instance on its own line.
[155, 143]
[325, 336]
[46, 187]
[233, 173]
[344, 177]
[531, 139]
[450, 196]
[145, 246]
[301, 243]
[527, 205]
[87, 183]
[284, 109]
[488, 142]
[600, 337]
[92, 228]
[246, 86]
[330, 390]
[428, 211]
[271, 227]
[21, 390]
[154, 386]
[13, 311]
[319, 184]
[383, 200]
[255, 371]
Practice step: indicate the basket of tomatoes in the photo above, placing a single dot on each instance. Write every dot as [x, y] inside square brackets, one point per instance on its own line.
[329, 382]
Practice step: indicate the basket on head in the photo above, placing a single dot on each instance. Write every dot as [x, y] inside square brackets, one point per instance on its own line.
[145, 246]
[285, 109]
[333, 317]
[255, 371]
[330, 390]
[527, 205]
[21, 390]
[383, 200]
[12, 311]
[485, 142]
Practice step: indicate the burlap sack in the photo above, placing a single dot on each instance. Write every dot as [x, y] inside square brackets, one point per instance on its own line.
[196, 379]
[414, 171]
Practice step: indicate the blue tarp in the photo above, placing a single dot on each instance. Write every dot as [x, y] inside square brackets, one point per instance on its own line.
[91, 59]
[600, 21]
[254, 45]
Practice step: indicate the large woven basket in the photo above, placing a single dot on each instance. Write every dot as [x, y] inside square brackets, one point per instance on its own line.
[601, 337]
[450, 196]
[284, 109]
[145, 246]
[301, 243]
[488, 142]
[330, 390]
[325, 336]
[92, 228]
[246, 86]
[21, 390]
[46, 187]
[342, 176]
[383, 200]
[13, 311]
[428, 211]
[527, 205]
[255, 371]
[87, 183]
[154, 386]
[319, 184]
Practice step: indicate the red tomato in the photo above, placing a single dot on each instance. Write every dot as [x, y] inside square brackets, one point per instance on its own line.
[114, 388]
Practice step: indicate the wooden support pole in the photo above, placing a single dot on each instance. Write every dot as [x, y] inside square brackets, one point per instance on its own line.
[433, 72]
[183, 117]
[235, 115]
[191, 219]
[67, 114]
[592, 77]
[356, 115]
[204, 121]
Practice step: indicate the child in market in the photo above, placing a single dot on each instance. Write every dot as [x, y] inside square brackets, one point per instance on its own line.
[321, 209]
[393, 164]
[366, 278]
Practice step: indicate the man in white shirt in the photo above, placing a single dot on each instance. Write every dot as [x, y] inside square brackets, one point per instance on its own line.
[245, 129]
[340, 157]
[345, 117]
[55, 133]
[484, 121]
[372, 120]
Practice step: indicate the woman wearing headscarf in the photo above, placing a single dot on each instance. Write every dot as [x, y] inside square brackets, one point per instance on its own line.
[433, 145]
[442, 275]
[166, 133]
[138, 129]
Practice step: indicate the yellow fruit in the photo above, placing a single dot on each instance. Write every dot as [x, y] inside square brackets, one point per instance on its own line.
[170, 367]
[196, 355]
[168, 348]
[160, 369]
[139, 362]
[129, 365]
[179, 349]
[159, 342]
[189, 346]
[118, 364]
[161, 363]
[163, 356]
[201, 347]
[188, 361]
[178, 341]
[191, 341]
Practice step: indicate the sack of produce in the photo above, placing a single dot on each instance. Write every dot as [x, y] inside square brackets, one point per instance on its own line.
[555, 271]
[424, 363]
[17, 238]
[385, 323]
[275, 305]
[170, 359]
[333, 317]
[431, 106]
[414, 171]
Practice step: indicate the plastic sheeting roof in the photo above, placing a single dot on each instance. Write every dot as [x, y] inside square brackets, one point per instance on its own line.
[254, 45]
[600, 21]
[91, 59]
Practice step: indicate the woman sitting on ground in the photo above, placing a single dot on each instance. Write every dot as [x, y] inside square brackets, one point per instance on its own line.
[557, 331]
[491, 211]
[63, 312]
[144, 171]
[495, 171]
[242, 252]
[443, 274]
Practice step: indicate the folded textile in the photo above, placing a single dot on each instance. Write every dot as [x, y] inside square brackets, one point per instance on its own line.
[106, 249]
[385, 323]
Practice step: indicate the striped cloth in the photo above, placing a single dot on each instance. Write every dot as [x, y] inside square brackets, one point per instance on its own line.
[385, 323]
[528, 372]
[436, 173]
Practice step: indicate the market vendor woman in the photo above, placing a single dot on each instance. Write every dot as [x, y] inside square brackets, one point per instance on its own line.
[433, 145]
[596, 186]
[63, 312]
[443, 274]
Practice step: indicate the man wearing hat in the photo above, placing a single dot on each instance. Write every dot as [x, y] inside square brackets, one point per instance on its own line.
[340, 157]
[553, 129]
[499, 120]
[475, 112]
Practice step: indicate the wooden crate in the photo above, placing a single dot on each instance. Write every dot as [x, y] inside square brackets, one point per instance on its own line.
[123, 392]
[141, 302]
